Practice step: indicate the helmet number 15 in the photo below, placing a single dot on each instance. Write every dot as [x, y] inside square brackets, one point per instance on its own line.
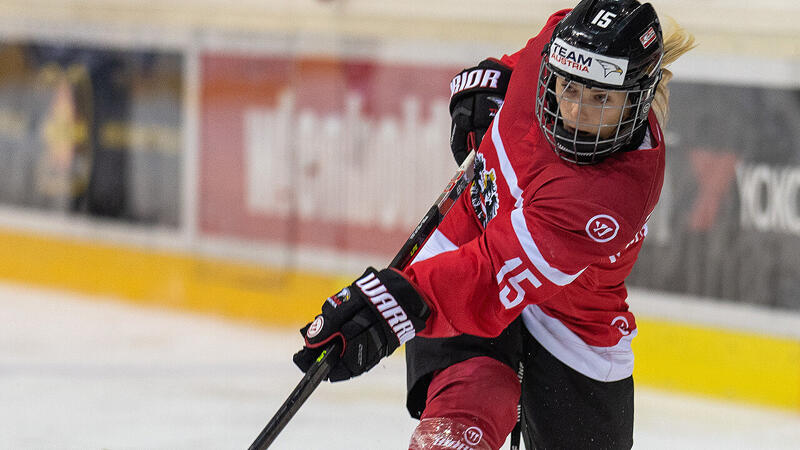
[514, 282]
[603, 18]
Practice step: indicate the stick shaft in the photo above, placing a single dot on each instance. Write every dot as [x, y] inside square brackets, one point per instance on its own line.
[328, 358]
[316, 373]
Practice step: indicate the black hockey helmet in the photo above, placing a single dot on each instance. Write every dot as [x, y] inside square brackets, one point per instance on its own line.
[613, 45]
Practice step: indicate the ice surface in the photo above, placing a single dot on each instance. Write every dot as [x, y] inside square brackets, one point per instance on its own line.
[79, 373]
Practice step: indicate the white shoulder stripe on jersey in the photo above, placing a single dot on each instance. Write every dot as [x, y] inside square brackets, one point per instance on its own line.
[534, 255]
[505, 164]
[517, 219]
[436, 244]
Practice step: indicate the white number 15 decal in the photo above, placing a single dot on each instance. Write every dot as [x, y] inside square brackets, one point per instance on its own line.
[514, 282]
[603, 18]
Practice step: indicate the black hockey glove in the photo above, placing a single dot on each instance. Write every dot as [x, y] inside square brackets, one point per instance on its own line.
[370, 318]
[476, 95]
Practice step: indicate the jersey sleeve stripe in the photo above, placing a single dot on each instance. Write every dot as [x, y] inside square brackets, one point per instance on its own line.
[436, 244]
[534, 255]
[505, 165]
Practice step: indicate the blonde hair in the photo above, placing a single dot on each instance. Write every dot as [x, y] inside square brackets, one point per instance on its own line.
[677, 41]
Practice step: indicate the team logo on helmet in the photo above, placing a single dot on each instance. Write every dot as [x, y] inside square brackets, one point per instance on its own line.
[602, 228]
[609, 67]
[484, 192]
[586, 64]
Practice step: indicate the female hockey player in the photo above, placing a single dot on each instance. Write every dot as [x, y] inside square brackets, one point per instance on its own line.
[528, 269]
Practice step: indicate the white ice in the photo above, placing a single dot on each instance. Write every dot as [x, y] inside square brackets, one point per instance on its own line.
[81, 373]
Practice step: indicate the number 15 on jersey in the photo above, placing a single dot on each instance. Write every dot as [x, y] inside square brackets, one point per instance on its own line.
[514, 282]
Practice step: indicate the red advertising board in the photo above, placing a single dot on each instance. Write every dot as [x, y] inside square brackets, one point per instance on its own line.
[342, 154]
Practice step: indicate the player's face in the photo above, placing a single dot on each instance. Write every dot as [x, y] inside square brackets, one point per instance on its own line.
[592, 111]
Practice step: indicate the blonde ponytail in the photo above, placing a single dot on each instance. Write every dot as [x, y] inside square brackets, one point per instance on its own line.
[677, 41]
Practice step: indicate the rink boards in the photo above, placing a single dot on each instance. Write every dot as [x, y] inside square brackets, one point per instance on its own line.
[759, 365]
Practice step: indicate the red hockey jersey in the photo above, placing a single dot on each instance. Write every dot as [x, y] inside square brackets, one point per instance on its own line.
[542, 237]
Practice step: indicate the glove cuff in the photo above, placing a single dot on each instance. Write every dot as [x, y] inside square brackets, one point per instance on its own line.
[490, 76]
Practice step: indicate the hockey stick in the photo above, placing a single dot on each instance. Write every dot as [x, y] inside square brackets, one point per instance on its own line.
[515, 433]
[327, 359]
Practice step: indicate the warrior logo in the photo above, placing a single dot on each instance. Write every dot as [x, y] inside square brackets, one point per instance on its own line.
[609, 68]
[602, 228]
[484, 192]
[622, 324]
[316, 327]
[387, 305]
[478, 78]
[473, 435]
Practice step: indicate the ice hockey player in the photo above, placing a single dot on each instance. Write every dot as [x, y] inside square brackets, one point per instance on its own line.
[529, 268]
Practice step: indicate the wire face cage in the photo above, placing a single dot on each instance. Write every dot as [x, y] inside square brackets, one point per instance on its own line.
[585, 124]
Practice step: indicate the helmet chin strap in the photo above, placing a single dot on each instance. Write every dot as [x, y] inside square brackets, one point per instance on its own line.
[636, 139]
